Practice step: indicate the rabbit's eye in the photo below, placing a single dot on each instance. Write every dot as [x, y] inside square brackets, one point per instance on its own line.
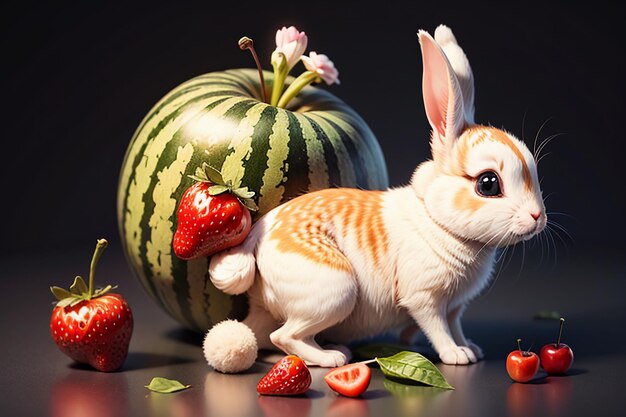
[488, 185]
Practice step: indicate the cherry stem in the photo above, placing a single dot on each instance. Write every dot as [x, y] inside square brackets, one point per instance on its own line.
[100, 245]
[519, 346]
[558, 341]
[247, 43]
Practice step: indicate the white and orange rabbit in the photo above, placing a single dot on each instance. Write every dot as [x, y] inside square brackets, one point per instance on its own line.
[347, 264]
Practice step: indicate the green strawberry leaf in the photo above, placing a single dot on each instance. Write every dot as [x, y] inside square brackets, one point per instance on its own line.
[67, 301]
[249, 204]
[414, 367]
[200, 175]
[166, 386]
[61, 293]
[79, 287]
[218, 189]
[102, 291]
[243, 193]
[214, 174]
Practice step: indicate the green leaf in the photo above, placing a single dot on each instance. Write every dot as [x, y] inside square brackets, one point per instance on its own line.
[102, 291]
[218, 189]
[68, 301]
[415, 367]
[547, 315]
[377, 350]
[214, 174]
[200, 175]
[166, 386]
[243, 193]
[79, 287]
[250, 204]
[60, 293]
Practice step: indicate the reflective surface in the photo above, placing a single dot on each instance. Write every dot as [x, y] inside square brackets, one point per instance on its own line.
[38, 380]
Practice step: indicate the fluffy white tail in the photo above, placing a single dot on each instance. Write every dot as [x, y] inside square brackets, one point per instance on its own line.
[232, 271]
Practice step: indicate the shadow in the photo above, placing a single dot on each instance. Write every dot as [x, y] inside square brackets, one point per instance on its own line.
[313, 393]
[94, 394]
[184, 335]
[78, 366]
[147, 360]
[374, 394]
[571, 372]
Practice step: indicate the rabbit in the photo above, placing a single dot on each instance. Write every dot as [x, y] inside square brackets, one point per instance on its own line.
[345, 264]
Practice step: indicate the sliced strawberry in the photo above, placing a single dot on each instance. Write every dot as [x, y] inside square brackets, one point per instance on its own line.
[289, 376]
[350, 380]
[212, 216]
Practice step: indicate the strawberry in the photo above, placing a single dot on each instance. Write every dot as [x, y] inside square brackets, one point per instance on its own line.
[92, 327]
[289, 376]
[213, 215]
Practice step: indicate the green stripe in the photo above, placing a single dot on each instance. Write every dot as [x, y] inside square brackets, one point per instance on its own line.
[297, 163]
[166, 157]
[256, 162]
[353, 153]
[334, 176]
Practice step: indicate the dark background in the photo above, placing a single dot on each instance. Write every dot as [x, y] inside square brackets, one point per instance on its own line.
[77, 78]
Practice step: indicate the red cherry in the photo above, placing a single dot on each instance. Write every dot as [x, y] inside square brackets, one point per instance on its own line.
[557, 358]
[521, 365]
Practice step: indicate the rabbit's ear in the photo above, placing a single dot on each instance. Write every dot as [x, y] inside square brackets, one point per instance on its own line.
[445, 38]
[443, 99]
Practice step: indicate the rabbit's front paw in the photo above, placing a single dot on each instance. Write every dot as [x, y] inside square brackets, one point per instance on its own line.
[457, 355]
[478, 352]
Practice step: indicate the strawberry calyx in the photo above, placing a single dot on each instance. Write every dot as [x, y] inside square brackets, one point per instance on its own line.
[79, 291]
[224, 183]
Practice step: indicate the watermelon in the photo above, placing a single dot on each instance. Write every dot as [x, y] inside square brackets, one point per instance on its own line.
[219, 118]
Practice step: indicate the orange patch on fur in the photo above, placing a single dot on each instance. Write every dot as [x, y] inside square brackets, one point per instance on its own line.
[467, 201]
[309, 225]
[483, 133]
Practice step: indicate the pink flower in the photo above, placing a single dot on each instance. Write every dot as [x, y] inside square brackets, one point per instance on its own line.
[291, 43]
[320, 64]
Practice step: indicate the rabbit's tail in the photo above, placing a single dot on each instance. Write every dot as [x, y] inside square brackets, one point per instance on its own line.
[232, 271]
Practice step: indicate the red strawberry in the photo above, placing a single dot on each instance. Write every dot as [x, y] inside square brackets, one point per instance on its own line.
[212, 215]
[289, 376]
[92, 327]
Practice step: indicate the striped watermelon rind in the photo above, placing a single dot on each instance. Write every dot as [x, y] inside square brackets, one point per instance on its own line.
[219, 118]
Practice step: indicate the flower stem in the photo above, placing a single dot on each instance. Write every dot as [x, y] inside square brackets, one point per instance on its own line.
[302, 81]
[280, 74]
[247, 43]
[100, 245]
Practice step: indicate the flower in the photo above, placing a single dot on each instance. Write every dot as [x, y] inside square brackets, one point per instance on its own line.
[323, 66]
[291, 43]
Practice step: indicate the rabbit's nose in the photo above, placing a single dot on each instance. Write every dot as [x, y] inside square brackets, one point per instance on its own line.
[535, 214]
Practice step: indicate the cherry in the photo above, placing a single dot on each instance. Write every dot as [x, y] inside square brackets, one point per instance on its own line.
[556, 358]
[522, 365]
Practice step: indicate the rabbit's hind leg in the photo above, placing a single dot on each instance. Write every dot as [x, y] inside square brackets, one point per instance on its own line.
[309, 297]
